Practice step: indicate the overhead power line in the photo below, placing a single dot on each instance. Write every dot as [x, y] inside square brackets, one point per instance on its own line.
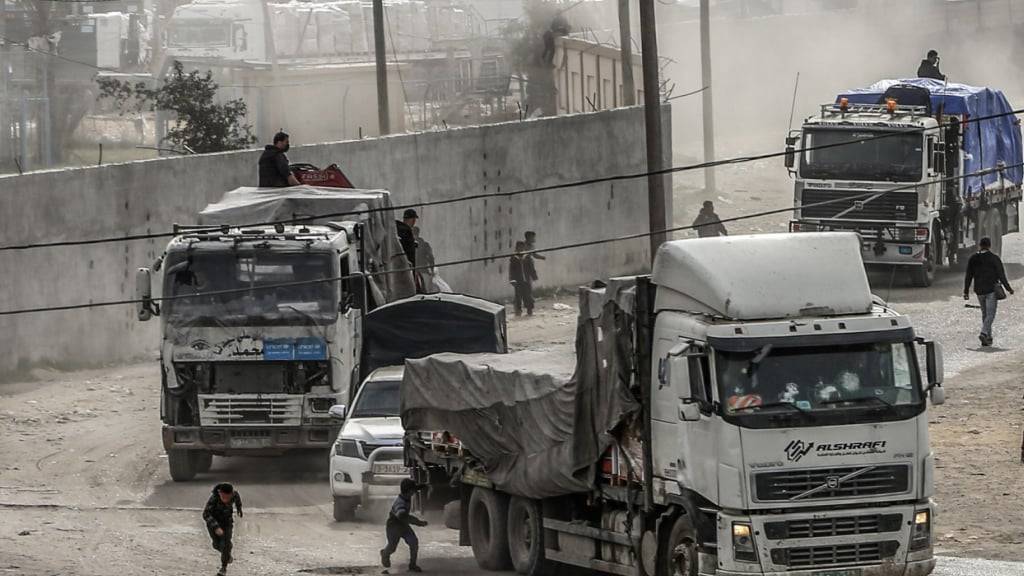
[489, 258]
[509, 194]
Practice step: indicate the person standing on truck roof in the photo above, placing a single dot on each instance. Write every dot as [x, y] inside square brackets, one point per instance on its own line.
[929, 67]
[218, 515]
[522, 274]
[399, 527]
[708, 224]
[274, 170]
[985, 269]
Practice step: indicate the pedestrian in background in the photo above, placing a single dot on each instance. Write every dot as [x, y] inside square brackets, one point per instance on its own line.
[220, 522]
[986, 271]
[399, 527]
[531, 245]
[707, 223]
[522, 274]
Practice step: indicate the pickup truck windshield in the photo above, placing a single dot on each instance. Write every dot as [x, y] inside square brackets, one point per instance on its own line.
[378, 399]
[822, 384]
[896, 157]
[194, 274]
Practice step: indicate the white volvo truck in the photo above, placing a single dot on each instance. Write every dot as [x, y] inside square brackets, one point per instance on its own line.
[749, 408]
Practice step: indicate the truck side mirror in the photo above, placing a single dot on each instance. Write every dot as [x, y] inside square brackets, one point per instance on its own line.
[938, 395]
[791, 151]
[144, 294]
[689, 411]
[338, 411]
[933, 362]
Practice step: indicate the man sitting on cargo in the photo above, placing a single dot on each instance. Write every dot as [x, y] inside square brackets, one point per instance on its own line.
[274, 170]
[929, 67]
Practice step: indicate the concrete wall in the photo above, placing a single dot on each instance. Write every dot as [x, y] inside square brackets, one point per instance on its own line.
[148, 196]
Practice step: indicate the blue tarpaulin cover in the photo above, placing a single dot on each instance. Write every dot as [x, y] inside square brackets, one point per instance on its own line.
[986, 143]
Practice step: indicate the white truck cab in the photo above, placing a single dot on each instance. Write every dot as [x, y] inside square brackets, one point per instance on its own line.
[370, 442]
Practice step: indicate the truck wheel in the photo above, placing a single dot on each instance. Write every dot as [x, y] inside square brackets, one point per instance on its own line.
[182, 464]
[488, 529]
[526, 536]
[678, 557]
[345, 509]
[204, 461]
[922, 276]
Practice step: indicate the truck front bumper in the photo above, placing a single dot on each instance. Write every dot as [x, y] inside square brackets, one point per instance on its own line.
[842, 542]
[892, 245]
[916, 568]
[249, 440]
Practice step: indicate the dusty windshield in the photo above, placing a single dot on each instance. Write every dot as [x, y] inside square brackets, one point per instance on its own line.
[253, 302]
[811, 380]
[378, 399]
[863, 155]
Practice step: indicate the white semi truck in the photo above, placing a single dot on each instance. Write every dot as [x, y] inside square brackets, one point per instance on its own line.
[748, 408]
[921, 169]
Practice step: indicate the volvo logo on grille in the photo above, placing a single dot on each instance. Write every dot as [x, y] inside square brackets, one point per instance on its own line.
[832, 482]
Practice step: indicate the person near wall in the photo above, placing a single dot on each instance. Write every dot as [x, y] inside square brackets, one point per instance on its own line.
[273, 166]
[707, 223]
[521, 275]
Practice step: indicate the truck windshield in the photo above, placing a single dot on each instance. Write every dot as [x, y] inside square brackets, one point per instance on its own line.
[883, 157]
[378, 399]
[827, 384]
[195, 275]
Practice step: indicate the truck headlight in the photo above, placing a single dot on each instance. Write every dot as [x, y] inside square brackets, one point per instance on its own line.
[921, 536]
[347, 448]
[743, 542]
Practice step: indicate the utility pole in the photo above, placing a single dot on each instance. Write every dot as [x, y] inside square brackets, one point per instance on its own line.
[380, 54]
[652, 117]
[709, 115]
[626, 47]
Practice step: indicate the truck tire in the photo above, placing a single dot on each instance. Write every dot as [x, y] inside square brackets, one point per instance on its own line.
[204, 461]
[453, 515]
[488, 529]
[345, 509]
[678, 555]
[182, 465]
[526, 536]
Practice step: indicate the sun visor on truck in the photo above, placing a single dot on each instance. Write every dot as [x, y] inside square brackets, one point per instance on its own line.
[741, 344]
[429, 324]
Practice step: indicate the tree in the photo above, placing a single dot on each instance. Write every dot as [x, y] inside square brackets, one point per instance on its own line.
[202, 125]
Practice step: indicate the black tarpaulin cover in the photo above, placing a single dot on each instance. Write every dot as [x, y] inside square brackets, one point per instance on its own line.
[430, 323]
[539, 422]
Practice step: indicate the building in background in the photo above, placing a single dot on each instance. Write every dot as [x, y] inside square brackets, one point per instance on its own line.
[588, 76]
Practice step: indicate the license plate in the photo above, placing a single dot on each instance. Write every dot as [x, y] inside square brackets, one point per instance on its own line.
[850, 572]
[390, 469]
[250, 442]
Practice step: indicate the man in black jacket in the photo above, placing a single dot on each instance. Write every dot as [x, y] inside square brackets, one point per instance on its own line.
[274, 170]
[219, 521]
[929, 67]
[985, 269]
[399, 527]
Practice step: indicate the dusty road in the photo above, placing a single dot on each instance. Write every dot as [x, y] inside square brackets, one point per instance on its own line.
[84, 488]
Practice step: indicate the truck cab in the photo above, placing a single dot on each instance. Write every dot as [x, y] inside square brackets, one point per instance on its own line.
[251, 363]
[790, 409]
[919, 168]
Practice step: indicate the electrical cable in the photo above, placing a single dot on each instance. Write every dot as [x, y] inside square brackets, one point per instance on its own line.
[547, 188]
[489, 258]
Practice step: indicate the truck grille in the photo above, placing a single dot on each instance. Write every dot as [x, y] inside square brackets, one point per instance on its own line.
[368, 449]
[841, 554]
[825, 527]
[876, 481]
[890, 207]
[250, 410]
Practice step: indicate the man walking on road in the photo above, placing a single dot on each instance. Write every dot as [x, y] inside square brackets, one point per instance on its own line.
[399, 527]
[708, 224]
[985, 269]
[218, 515]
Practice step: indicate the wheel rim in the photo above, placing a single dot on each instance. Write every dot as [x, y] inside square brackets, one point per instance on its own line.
[523, 537]
[682, 558]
